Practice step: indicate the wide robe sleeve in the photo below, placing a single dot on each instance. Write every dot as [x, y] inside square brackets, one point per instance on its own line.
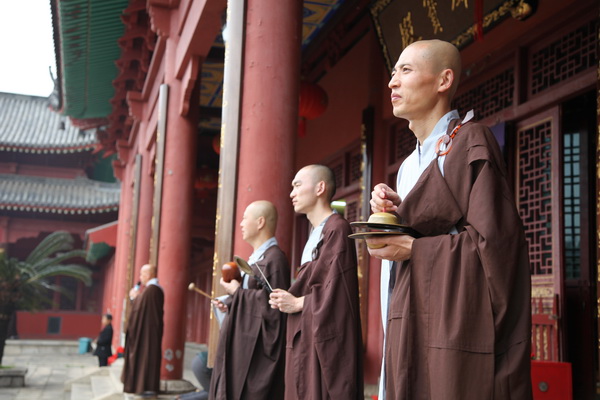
[471, 290]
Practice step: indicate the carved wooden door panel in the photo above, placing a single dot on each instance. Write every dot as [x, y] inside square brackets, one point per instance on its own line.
[538, 199]
[557, 197]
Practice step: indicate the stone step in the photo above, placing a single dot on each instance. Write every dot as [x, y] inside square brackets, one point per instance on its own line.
[12, 377]
[112, 396]
[15, 347]
[81, 391]
[102, 385]
[115, 372]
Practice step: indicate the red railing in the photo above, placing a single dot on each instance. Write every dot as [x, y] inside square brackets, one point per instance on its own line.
[544, 331]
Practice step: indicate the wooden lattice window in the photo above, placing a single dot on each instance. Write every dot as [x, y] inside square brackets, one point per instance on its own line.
[535, 193]
[402, 143]
[346, 167]
[492, 96]
[352, 211]
[564, 58]
[355, 166]
[338, 171]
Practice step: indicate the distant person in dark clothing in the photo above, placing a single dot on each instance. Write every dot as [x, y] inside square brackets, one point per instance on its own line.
[104, 341]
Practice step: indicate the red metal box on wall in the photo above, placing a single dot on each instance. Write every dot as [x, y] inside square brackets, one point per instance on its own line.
[551, 380]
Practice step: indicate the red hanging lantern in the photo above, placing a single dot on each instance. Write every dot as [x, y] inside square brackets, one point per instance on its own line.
[312, 103]
[216, 144]
[206, 178]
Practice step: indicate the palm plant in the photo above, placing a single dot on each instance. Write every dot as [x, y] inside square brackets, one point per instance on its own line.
[24, 285]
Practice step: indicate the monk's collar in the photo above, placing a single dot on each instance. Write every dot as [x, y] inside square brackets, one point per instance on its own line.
[153, 281]
[439, 130]
[258, 253]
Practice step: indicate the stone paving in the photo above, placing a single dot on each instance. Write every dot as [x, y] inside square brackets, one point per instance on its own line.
[47, 372]
[52, 363]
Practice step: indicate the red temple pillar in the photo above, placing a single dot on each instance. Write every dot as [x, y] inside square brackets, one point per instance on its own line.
[144, 223]
[186, 31]
[176, 216]
[119, 282]
[3, 229]
[269, 111]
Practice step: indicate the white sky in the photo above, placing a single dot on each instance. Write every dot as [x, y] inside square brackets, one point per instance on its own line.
[26, 47]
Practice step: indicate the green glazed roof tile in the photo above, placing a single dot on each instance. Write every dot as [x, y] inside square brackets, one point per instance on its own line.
[89, 30]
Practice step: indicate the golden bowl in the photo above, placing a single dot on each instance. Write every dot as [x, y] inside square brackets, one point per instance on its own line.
[383, 218]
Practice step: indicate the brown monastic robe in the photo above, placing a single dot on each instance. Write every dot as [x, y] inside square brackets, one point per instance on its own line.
[141, 371]
[251, 351]
[459, 320]
[324, 346]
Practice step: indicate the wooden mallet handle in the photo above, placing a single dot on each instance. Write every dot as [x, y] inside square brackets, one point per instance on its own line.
[192, 286]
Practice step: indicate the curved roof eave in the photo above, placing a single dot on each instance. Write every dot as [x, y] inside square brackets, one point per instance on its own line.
[58, 195]
[28, 125]
[88, 31]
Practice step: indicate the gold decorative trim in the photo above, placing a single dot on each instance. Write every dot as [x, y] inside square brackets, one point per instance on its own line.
[488, 20]
[161, 132]
[378, 7]
[598, 185]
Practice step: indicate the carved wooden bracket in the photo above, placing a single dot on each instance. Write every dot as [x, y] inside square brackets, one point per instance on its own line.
[160, 16]
[188, 83]
[118, 169]
[136, 105]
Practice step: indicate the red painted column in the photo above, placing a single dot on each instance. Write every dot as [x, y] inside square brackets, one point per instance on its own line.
[119, 282]
[144, 226]
[3, 229]
[176, 217]
[269, 112]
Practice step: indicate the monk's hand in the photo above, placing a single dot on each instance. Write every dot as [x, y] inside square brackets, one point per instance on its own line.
[285, 301]
[384, 199]
[393, 248]
[220, 305]
[230, 287]
[133, 293]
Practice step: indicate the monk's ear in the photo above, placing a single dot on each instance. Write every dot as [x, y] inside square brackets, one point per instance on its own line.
[446, 79]
[261, 222]
[320, 188]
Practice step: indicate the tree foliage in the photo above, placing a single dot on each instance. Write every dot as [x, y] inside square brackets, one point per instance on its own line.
[25, 284]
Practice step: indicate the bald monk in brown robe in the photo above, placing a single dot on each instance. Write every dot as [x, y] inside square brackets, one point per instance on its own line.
[251, 352]
[459, 318]
[324, 345]
[141, 371]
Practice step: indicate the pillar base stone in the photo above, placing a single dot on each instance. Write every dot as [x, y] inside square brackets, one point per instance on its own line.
[176, 386]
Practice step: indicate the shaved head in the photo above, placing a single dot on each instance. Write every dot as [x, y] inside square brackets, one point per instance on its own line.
[440, 55]
[267, 210]
[147, 272]
[321, 173]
